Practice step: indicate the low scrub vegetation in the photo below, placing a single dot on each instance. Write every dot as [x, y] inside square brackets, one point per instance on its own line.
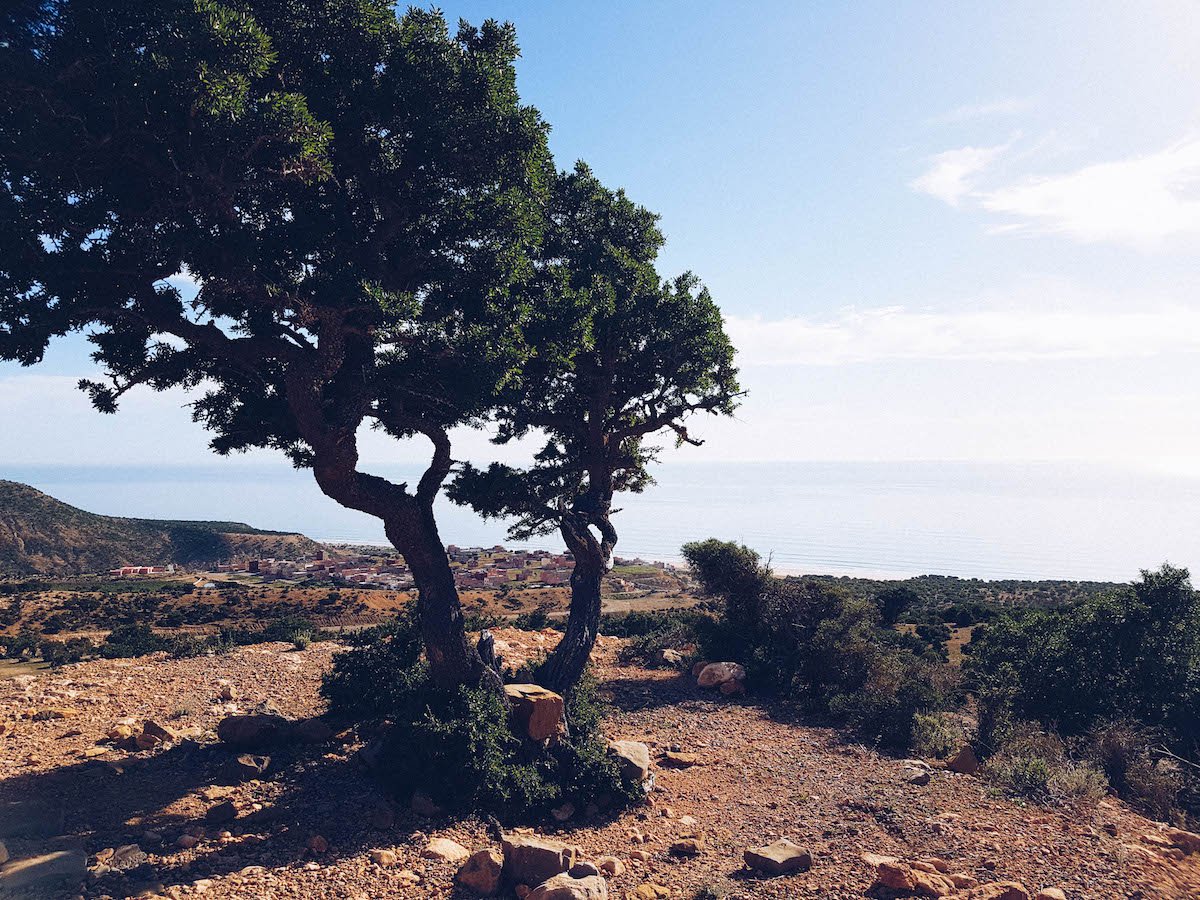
[815, 645]
[1116, 675]
[428, 731]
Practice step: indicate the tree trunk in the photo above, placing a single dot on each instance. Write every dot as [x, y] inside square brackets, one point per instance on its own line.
[452, 660]
[564, 667]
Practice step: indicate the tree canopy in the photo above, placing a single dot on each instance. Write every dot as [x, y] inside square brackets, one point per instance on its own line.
[355, 195]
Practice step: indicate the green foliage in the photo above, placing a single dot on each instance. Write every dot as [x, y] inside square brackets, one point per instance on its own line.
[1130, 656]
[816, 646]
[61, 653]
[466, 731]
[651, 631]
[936, 735]
[129, 641]
[1037, 765]
[893, 602]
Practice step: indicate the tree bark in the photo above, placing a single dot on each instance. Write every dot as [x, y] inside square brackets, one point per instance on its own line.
[452, 660]
[565, 665]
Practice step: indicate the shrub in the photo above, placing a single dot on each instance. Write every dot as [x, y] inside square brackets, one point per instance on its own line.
[936, 735]
[61, 653]
[128, 641]
[1035, 764]
[458, 745]
[816, 645]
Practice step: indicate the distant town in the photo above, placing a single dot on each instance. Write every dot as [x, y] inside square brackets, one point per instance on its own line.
[475, 568]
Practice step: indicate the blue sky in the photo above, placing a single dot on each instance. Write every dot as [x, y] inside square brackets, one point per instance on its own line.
[938, 230]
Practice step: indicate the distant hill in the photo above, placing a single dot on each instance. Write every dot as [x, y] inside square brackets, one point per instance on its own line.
[43, 536]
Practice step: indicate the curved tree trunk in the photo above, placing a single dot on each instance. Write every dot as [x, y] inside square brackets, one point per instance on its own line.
[564, 667]
[452, 660]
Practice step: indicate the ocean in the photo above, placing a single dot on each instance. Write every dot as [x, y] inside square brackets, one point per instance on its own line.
[875, 519]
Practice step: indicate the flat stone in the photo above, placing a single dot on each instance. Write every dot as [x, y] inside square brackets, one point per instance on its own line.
[445, 850]
[564, 887]
[44, 872]
[531, 860]
[780, 857]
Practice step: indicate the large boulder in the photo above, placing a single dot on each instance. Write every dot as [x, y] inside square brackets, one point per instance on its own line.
[566, 887]
[529, 859]
[633, 759]
[252, 732]
[781, 857]
[719, 673]
[481, 873]
[44, 875]
[537, 710]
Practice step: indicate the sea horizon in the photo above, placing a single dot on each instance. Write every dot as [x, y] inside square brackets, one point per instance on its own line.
[1030, 520]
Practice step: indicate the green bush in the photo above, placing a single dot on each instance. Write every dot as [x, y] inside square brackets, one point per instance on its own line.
[458, 745]
[936, 735]
[814, 644]
[1130, 656]
[128, 641]
[1036, 765]
[61, 653]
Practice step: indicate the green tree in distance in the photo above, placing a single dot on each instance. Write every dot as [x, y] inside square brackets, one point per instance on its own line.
[618, 355]
[355, 194]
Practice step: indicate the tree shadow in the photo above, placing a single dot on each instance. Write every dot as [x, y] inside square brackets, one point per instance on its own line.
[109, 804]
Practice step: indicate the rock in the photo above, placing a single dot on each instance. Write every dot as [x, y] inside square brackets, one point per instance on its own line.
[445, 850]
[898, 876]
[247, 766]
[252, 732]
[688, 847]
[583, 870]
[39, 875]
[3, 853]
[481, 872]
[999, 890]
[962, 881]
[537, 710]
[965, 762]
[311, 731]
[733, 688]
[120, 733]
[129, 856]
[317, 845]
[564, 887]
[651, 891]
[1050, 893]
[640, 855]
[716, 674]
[918, 777]
[384, 858]
[221, 813]
[186, 841]
[666, 656]
[162, 734]
[680, 760]
[408, 876]
[226, 691]
[564, 812]
[610, 865]
[633, 759]
[422, 804]
[1186, 841]
[781, 857]
[698, 667]
[529, 859]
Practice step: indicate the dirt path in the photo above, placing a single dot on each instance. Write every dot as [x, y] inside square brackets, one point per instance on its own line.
[758, 778]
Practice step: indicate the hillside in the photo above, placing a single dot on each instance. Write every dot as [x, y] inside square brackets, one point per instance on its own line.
[40, 535]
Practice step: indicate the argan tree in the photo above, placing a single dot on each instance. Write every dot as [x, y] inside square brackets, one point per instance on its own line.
[355, 195]
[619, 355]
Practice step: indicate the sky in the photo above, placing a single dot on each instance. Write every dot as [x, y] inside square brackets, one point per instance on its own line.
[937, 230]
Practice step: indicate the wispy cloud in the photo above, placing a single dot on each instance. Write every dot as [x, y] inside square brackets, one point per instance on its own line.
[1017, 334]
[1140, 201]
[1004, 106]
[952, 174]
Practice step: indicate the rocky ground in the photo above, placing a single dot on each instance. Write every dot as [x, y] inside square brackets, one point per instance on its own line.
[168, 821]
